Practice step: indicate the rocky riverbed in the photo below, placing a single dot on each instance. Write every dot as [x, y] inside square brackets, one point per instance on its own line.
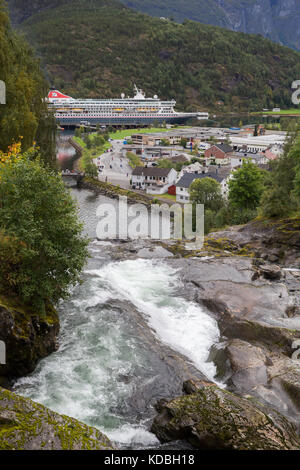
[208, 338]
[256, 306]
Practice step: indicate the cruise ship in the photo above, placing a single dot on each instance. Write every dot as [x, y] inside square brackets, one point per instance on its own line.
[135, 111]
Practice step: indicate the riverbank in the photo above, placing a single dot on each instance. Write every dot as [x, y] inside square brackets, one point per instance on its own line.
[25, 425]
[28, 335]
[149, 317]
[114, 192]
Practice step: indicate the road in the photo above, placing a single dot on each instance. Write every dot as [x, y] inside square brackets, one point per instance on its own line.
[116, 168]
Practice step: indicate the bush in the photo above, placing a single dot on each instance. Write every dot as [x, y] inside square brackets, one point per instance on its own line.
[42, 250]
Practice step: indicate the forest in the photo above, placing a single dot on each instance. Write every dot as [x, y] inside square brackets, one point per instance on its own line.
[93, 48]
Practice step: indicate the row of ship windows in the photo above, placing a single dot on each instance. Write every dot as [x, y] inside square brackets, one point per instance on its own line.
[101, 110]
[111, 114]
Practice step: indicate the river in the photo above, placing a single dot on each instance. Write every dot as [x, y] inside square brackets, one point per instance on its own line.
[120, 329]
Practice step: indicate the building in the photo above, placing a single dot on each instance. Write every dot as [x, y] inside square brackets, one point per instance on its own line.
[183, 185]
[153, 180]
[236, 158]
[220, 153]
[259, 143]
[195, 168]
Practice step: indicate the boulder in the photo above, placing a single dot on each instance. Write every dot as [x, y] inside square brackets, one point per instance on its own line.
[212, 418]
[271, 272]
[28, 336]
[248, 365]
[25, 425]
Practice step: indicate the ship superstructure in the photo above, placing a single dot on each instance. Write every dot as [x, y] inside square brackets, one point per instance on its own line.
[138, 110]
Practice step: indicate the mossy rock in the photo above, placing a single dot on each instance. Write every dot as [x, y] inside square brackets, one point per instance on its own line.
[211, 418]
[28, 336]
[25, 425]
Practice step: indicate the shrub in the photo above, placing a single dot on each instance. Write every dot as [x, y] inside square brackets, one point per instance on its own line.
[42, 250]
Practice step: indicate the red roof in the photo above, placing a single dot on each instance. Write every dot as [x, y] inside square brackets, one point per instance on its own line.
[58, 95]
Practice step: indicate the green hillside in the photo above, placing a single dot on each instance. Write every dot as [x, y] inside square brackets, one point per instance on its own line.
[278, 20]
[25, 116]
[101, 48]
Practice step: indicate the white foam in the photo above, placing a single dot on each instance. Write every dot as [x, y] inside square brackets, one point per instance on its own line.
[151, 286]
[132, 436]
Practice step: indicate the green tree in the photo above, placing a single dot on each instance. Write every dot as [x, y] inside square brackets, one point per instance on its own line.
[134, 160]
[39, 216]
[206, 191]
[183, 142]
[25, 117]
[282, 195]
[246, 186]
[91, 169]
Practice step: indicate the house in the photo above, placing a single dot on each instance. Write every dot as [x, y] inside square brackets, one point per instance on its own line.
[258, 158]
[270, 155]
[153, 180]
[195, 168]
[220, 153]
[183, 185]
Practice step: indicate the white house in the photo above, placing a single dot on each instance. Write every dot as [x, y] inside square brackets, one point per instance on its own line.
[153, 180]
[183, 185]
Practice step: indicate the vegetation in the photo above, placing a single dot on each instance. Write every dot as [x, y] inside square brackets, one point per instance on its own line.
[267, 21]
[25, 117]
[282, 196]
[94, 48]
[168, 163]
[207, 191]
[246, 186]
[42, 251]
[134, 160]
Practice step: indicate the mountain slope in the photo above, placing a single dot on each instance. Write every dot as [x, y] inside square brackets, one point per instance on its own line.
[278, 20]
[25, 116]
[100, 48]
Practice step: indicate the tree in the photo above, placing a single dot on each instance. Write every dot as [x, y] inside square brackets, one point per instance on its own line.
[38, 220]
[91, 169]
[246, 186]
[282, 195]
[206, 191]
[183, 142]
[25, 116]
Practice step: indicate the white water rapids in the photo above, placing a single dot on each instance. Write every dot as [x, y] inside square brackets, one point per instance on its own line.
[104, 373]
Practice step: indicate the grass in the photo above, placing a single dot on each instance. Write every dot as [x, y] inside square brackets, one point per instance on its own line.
[164, 196]
[119, 135]
[283, 112]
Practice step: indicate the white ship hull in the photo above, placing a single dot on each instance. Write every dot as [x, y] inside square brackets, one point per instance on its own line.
[116, 112]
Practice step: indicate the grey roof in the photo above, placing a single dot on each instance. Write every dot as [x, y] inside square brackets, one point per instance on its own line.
[188, 178]
[224, 147]
[151, 171]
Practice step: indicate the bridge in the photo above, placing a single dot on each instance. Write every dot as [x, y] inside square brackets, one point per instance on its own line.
[73, 174]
